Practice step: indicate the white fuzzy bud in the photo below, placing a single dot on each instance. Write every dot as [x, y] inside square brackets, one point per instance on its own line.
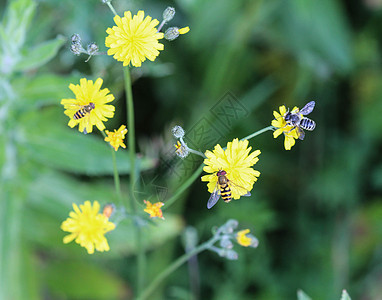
[168, 14]
[171, 33]
[178, 132]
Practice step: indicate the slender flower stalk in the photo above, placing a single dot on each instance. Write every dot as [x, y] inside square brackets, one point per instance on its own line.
[175, 265]
[108, 2]
[258, 133]
[141, 257]
[115, 172]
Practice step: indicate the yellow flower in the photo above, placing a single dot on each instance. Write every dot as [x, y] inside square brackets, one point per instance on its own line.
[236, 162]
[154, 209]
[88, 227]
[242, 239]
[89, 108]
[184, 30]
[134, 39]
[289, 131]
[116, 138]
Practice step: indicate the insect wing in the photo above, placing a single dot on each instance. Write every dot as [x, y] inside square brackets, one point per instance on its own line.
[300, 133]
[308, 108]
[239, 189]
[214, 197]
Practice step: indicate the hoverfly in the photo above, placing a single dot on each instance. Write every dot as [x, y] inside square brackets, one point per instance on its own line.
[297, 120]
[223, 189]
[83, 111]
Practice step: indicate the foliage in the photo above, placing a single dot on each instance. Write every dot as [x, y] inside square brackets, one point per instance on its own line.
[316, 209]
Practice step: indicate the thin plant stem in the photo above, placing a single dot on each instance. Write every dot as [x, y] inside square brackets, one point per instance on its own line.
[141, 256]
[175, 265]
[192, 150]
[115, 171]
[161, 25]
[184, 186]
[131, 135]
[258, 133]
[197, 152]
[111, 7]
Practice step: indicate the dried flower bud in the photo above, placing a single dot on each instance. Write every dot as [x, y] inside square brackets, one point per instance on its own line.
[76, 39]
[168, 14]
[171, 33]
[181, 149]
[178, 132]
[76, 48]
[92, 48]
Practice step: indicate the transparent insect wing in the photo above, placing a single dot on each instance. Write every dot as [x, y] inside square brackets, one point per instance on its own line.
[239, 189]
[308, 108]
[214, 198]
[300, 133]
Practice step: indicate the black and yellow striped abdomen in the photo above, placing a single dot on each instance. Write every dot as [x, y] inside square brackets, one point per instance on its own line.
[225, 192]
[79, 114]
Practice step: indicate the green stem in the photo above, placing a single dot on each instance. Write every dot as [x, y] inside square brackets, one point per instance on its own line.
[141, 257]
[184, 186]
[115, 170]
[111, 7]
[257, 133]
[175, 265]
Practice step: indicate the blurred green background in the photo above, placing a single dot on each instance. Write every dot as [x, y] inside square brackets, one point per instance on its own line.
[317, 209]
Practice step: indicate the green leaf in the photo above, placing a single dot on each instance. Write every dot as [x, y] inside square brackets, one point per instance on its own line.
[17, 19]
[40, 54]
[345, 295]
[53, 144]
[302, 296]
[43, 89]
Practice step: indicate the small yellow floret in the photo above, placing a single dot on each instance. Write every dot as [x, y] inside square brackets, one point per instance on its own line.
[116, 138]
[154, 209]
[242, 239]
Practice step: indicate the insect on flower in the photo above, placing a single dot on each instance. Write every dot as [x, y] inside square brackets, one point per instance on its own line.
[83, 111]
[223, 189]
[297, 120]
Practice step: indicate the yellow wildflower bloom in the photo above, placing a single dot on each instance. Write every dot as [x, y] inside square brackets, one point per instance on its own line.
[134, 39]
[116, 138]
[289, 131]
[89, 108]
[236, 162]
[184, 30]
[154, 209]
[88, 227]
[242, 239]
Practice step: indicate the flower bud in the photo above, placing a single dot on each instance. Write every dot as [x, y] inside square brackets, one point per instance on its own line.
[229, 226]
[182, 150]
[168, 14]
[178, 132]
[76, 48]
[254, 241]
[76, 39]
[226, 243]
[171, 33]
[92, 48]
[231, 255]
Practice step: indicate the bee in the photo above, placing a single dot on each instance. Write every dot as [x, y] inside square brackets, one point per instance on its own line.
[108, 210]
[298, 121]
[223, 189]
[83, 111]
